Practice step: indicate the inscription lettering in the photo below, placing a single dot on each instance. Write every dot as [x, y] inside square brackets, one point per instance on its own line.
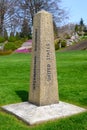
[34, 74]
[35, 39]
[48, 72]
[48, 51]
[48, 58]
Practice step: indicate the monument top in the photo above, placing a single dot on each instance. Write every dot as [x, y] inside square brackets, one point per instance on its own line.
[43, 11]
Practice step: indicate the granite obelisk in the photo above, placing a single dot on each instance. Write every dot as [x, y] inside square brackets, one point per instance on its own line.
[44, 87]
[43, 82]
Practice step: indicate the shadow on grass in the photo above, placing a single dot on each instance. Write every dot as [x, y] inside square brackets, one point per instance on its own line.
[23, 95]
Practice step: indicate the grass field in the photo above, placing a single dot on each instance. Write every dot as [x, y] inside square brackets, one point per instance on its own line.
[72, 80]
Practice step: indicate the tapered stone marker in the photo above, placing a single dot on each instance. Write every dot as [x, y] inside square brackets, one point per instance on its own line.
[44, 87]
[43, 83]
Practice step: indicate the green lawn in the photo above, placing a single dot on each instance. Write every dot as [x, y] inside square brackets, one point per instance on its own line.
[72, 80]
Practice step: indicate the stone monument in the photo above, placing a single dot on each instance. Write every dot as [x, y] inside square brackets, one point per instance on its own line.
[43, 104]
[43, 83]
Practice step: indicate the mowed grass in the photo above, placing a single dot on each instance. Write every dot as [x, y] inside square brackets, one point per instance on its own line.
[72, 77]
[72, 80]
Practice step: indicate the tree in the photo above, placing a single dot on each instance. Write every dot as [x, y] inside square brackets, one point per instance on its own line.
[3, 9]
[13, 13]
[55, 30]
[76, 28]
[5, 34]
[9, 15]
[12, 19]
[30, 7]
[12, 34]
[81, 25]
[25, 30]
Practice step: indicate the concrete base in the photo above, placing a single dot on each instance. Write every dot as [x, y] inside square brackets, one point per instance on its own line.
[32, 114]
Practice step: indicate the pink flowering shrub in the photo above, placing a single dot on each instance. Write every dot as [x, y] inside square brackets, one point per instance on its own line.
[25, 48]
[23, 51]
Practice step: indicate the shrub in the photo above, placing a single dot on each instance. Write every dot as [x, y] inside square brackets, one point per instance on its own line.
[23, 51]
[2, 39]
[63, 43]
[83, 37]
[67, 36]
[85, 34]
[10, 46]
[5, 52]
[19, 43]
[30, 37]
[12, 39]
[56, 43]
[15, 44]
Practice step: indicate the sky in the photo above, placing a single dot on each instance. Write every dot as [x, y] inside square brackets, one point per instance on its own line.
[77, 9]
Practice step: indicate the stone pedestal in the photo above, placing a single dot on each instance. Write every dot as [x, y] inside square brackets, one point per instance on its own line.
[32, 114]
[43, 83]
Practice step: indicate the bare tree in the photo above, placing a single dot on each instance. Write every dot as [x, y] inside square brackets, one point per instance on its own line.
[12, 15]
[30, 7]
[9, 15]
[3, 9]
[13, 12]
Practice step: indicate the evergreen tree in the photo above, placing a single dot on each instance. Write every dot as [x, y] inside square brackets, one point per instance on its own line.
[17, 35]
[25, 30]
[76, 28]
[81, 22]
[5, 34]
[55, 30]
[82, 25]
[12, 34]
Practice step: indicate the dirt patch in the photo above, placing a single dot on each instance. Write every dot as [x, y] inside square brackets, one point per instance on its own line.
[79, 46]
